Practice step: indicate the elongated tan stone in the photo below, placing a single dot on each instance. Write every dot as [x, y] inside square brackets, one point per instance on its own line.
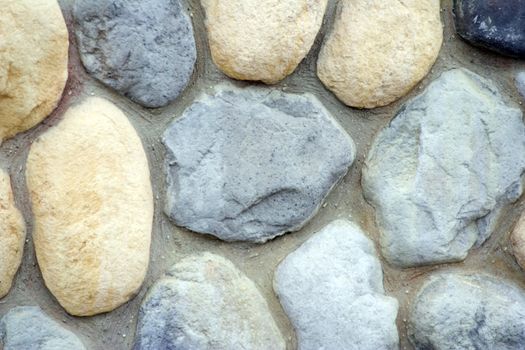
[89, 183]
[518, 241]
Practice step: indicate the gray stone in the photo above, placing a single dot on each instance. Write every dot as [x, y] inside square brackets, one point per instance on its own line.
[28, 328]
[332, 290]
[205, 302]
[252, 164]
[440, 173]
[520, 83]
[144, 49]
[468, 312]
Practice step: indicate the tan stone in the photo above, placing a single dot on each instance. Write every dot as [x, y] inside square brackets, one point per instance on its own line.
[12, 235]
[89, 183]
[379, 50]
[262, 40]
[518, 241]
[33, 62]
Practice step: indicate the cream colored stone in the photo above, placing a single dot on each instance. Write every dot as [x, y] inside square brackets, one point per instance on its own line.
[12, 235]
[379, 50]
[518, 241]
[89, 183]
[33, 62]
[261, 39]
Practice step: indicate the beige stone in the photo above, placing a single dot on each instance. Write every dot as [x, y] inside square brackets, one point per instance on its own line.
[12, 235]
[262, 40]
[89, 184]
[33, 62]
[518, 241]
[379, 50]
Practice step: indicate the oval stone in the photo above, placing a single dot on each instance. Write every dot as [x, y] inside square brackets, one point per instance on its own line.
[89, 183]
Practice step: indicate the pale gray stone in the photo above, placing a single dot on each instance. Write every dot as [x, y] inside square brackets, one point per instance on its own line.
[520, 83]
[440, 173]
[332, 290]
[251, 164]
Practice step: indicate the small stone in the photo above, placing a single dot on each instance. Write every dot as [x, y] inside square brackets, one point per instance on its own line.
[332, 290]
[520, 83]
[379, 50]
[12, 235]
[455, 312]
[144, 49]
[205, 302]
[440, 173]
[496, 25]
[252, 164]
[518, 241]
[28, 328]
[89, 183]
[261, 39]
[33, 63]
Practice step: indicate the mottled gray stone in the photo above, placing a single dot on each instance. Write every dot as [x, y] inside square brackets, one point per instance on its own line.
[205, 302]
[440, 173]
[332, 290]
[520, 83]
[252, 164]
[144, 49]
[468, 312]
[28, 328]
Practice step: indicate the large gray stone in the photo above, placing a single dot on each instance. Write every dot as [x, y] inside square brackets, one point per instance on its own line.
[205, 302]
[252, 164]
[461, 312]
[332, 290]
[28, 328]
[440, 173]
[144, 49]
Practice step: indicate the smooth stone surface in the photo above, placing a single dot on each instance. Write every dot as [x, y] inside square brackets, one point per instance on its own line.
[439, 174]
[252, 164]
[518, 241]
[33, 63]
[332, 289]
[12, 235]
[497, 25]
[456, 311]
[144, 49]
[205, 302]
[520, 83]
[28, 328]
[261, 39]
[378, 50]
[89, 183]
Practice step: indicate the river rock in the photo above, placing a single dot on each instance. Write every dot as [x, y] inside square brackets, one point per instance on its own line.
[332, 289]
[379, 50]
[439, 174]
[28, 328]
[89, 184]
[144, 49]
[204, 302]
[496, 25]
[252, 164]
[456, 312]
[520, 83]
[12, 235]
[33, 63]
[261, 39]
[518, 241]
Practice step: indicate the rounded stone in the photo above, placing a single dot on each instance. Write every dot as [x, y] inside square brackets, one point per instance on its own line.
[144, 49]
[518, 241]
[251, 164]
[205, 302]
[520, 83]
[33, 63]
[378, 50]
[89, 184]
[262, 40]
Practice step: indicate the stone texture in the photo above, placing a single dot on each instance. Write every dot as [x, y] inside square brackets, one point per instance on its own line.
[28, 328]
[144, 49]
[379, 50]
[332, 290]
[33, 63]
[89, 184]
[12, 235]
[520, 83]
[205, 302]
[261, 39]
[252, 164]
[496, 25]
[439, 174]
[518, 241]
[458, 312]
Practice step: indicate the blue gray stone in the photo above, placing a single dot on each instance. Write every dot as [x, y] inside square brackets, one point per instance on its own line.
[520, 83]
